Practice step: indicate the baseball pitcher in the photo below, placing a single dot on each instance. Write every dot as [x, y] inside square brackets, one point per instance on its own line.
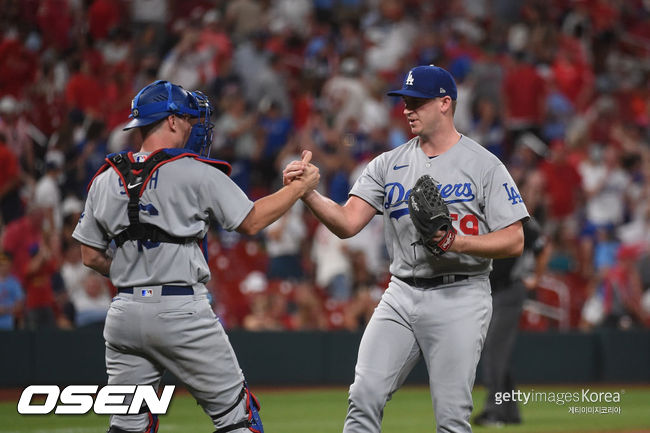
[449, 207]
[154, 206]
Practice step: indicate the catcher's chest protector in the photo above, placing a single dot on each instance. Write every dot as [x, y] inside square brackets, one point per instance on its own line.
[135, 176]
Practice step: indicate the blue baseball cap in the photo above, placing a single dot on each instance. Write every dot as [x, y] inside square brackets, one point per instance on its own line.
[427, 82]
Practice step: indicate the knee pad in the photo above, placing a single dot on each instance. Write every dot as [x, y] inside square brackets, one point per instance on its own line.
[253, 421]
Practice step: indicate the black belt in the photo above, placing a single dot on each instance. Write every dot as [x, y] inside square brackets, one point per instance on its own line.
[432, 282]
[167, 290]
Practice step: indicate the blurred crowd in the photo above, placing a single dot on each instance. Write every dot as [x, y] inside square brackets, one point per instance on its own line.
[558, 89]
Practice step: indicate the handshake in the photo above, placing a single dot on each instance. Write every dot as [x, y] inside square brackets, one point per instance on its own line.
[303, 172]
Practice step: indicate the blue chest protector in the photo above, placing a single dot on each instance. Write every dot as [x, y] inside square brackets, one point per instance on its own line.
[135, 176]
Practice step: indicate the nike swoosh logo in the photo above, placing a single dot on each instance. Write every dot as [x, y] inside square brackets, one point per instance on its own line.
[131, 186]
[397, 167]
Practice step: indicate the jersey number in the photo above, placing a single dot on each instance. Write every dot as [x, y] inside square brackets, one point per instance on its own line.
[468, 224]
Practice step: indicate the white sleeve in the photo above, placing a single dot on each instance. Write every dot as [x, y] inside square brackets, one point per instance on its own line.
[227, 203]
[88, 230]
[370, 185]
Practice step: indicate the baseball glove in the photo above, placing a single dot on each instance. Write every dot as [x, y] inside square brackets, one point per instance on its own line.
[430, 214]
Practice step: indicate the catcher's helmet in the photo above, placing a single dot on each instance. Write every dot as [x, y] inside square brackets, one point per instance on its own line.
[161, 99]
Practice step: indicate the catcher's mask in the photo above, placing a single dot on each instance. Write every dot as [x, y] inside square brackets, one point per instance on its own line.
[161, 99]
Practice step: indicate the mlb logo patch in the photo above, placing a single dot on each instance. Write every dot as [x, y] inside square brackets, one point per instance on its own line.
[147, 293]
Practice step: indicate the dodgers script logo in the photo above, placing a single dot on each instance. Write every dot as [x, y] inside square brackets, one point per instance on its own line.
[395, 195]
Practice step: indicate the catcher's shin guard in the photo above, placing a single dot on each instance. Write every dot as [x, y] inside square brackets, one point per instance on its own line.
[113, 429]
[154, 423]
[152, 427]
[253, 421]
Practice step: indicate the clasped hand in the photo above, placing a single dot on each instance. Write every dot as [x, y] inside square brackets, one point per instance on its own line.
[302, 171]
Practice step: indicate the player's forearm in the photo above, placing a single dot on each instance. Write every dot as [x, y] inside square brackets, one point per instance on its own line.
[268, 209]
[507, 242]
[330, 213]
[96, 259]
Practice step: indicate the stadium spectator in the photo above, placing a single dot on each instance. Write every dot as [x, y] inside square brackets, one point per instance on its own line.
[71, 209]
[85, 90]
[563, 183]
[284, 242]
[55, 20]
[11, 294]
[308, 313]
[390, 32]
[637, 231]
[345, 94]
[215, 39]
[186, 64]
[332, 265]
[524, 93]
[19, 65]
[11, 207]
[103, 17]
[275, 127]
[236, 138]
[366, 293]
[268, 312]
[20, 135]
[244, 17]
[47, 194]
[36, 261]
[606, 186]
[86, 290]
[487, 127]
[91, 151]
[118, 104]
[92, 302]
[616, 300]
[571, 73]
[286, 16]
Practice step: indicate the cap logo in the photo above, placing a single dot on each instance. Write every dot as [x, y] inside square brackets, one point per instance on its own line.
[442, 90]
[136, 112]
[409, 79]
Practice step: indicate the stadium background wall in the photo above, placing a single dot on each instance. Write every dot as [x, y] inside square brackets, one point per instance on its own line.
[328, 358]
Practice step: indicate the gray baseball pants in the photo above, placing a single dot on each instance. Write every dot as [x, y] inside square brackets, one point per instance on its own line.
[447, 326]
[147, 335]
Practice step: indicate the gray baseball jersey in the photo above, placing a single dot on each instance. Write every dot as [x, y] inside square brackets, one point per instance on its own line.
[147, 332]
[180, 198]
[443, 322]
[479, 191]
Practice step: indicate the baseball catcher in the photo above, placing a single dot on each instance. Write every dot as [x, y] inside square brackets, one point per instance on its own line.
[155, 206]
[430, 215]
